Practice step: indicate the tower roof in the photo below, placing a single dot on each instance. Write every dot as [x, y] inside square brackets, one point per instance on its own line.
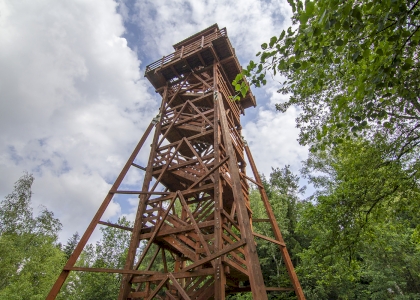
[198, 51]
[197, 36]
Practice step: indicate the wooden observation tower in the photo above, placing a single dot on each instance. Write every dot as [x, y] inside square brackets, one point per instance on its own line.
[193, 236]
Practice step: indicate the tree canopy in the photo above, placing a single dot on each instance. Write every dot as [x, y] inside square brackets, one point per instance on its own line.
[352, 67]
[352, 70]
[30, 256]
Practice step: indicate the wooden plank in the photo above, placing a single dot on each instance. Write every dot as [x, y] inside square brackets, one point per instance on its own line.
[182, 274]
[157, 289]
[269, 239]
[234, 265]
[256, 280]
[106, 270]
[140, 193]
[215, 168]
[180, 247]
[208, 292]
[138, 166]
[178, 229]
[193, 137]
[133, 295]
[168, 293]
[115, 226]
[179, 287]
[155, 232]
[216, 255]
[252, 180]
[231, 220]
[260, 220]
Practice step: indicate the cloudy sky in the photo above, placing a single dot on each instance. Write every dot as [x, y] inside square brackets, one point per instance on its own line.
[74, 102]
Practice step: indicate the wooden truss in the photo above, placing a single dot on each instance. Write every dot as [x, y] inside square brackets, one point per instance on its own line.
[193, 238]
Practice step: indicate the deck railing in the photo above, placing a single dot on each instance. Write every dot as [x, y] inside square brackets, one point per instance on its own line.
[185, 50]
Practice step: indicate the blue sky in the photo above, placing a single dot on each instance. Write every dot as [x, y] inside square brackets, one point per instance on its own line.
[74, 101]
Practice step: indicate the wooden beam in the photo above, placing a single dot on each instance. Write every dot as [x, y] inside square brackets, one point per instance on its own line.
[256, 280]
[276, 229]
[179, 287]
[115, 226]
[182, 274]
[216, 255]
[82, 243]
[269, 239]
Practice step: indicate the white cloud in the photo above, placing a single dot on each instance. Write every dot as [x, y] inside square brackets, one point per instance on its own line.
[272, 140]
[74, 102]
[249, 23]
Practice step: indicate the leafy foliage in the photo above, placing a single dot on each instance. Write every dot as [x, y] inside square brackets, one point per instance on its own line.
[362, 223]
[71, 245]
[109, 252]
[30, 257]
[352, 67]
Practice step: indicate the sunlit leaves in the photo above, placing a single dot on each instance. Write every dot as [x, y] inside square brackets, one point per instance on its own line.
[362, 221]
[346, 59]
[30, 258]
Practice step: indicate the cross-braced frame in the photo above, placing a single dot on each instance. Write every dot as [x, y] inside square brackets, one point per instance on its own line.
[193, 236]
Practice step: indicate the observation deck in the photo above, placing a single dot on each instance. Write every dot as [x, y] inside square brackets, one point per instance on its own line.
[199, 51]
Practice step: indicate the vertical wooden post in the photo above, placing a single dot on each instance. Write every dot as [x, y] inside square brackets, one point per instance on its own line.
[256, 279]
[125, 284]
[219, 276]
[182, 52]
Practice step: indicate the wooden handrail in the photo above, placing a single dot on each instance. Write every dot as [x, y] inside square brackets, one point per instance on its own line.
[185, 50]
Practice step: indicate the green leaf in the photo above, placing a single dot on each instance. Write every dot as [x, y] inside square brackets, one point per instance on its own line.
[264, 46]
[309, 8]
[273, 40]
[339, 42]
[356, 13]
[283, 33]
[346, 25]
[296, 65]
[394, 38]
[366, 53]
[303, 18]
[406, 66]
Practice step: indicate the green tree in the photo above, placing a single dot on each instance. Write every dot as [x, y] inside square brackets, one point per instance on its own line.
[362, 223]
[71, 244]
[30, 257]
[352, 67]
[110, 253]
